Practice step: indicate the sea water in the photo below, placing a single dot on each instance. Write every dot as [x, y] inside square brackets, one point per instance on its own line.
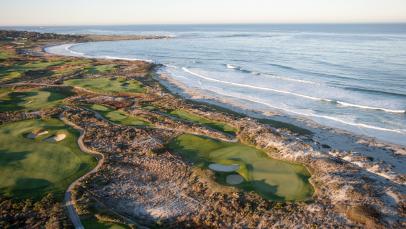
[351, 77]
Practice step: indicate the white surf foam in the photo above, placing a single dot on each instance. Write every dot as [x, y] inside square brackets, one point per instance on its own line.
[268, 75]
[123, 58]
[371, 108]
[400, 131]
[230, 66]
[291, 93]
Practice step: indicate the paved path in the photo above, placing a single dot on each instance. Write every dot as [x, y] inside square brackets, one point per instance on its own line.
[74, 217]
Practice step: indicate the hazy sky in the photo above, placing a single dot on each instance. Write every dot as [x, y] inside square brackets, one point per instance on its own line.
[93, 12]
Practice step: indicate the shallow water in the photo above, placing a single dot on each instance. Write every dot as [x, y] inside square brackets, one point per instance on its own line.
[351, 77]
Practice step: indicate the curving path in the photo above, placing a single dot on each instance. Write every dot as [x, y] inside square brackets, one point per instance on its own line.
[74, 217]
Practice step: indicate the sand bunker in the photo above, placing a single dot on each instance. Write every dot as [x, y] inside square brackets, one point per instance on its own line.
[224, 168]
[234, 179]
[34, 135]
[56, 138]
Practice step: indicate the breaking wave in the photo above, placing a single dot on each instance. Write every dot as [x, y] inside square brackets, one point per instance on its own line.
[400, 131]
[293, 93]
[269, 75]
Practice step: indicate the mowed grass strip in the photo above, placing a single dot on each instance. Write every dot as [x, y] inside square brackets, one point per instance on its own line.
[108, 85]
[106, 68]
[93, 223]
[30, 168]
[33, 100]
[221, 126]
[273, 179]
[118, 116]
[18, 69]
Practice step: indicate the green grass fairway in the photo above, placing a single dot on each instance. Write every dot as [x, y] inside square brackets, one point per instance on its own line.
[33, 100]
[118, 116]
[100, 69]
[107, 85]
[93, 223]
[4, 55]
[272, 179]
[204, 121]
[30, 168]
[17, 70]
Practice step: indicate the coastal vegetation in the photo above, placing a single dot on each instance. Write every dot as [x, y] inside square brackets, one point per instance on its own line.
[221, 126]
[108, 85]
[287, 126]
[186, 170]
[118, 116]
[32, 166]
[33, 99]
[272, 179]
[100, 69]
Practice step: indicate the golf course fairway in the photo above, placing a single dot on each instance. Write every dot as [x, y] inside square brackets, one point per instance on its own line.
[270, 178]
[30, 168]
[107, 85]
[34, 99]
[118, 116]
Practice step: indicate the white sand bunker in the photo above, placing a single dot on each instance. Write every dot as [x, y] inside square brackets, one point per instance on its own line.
[34, 135]
[224, 168]
[234, 179]
[56, 138]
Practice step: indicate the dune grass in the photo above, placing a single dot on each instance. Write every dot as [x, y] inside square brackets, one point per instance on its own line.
[108, 85]
[93, 223]
[272, 179]
[118, 116]
[30, 168]
[221, 126]
[5, 54]
[106, 68]
[287, 126]
[33, 100]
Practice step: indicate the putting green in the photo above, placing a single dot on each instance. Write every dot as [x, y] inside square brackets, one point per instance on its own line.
[118, 116]
[30, 168]
[108, 85]
[221, 126]
[33, 100]
[272, 179]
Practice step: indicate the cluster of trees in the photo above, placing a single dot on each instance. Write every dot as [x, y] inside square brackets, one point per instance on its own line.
[47, 212]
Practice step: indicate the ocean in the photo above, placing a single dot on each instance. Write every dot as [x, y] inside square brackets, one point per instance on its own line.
[351, 77]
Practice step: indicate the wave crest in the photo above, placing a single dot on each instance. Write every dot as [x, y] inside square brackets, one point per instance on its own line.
[293, 93]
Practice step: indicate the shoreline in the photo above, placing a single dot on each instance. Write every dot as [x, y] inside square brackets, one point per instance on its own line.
[352, 176]
[324, 138]
[230, 103]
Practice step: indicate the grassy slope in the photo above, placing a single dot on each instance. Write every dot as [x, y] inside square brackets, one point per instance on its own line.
[93, 223]
[273, 179]
[33, 100]
[31, 168]
[288, 126]
[203, 121]
[106, 85]
[100, 69]
[118, 116]
[18, 69]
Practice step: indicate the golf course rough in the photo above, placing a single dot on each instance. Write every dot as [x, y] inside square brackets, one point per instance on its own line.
[118, 116]
[34, 99]
[30, 168]
[107, 85]
[270, 178]
[221, 126]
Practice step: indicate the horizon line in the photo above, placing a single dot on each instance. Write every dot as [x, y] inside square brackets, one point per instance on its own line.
[214, 23]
